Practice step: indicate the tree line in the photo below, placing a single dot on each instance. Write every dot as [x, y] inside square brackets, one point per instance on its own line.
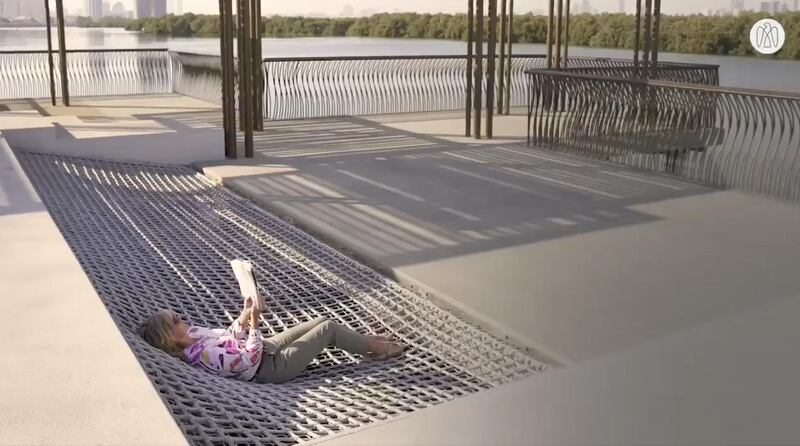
[680, 34]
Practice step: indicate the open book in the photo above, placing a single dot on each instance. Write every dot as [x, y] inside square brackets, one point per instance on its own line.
[243, 270]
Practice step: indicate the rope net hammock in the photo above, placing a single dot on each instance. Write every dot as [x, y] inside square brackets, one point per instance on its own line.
[158, 236]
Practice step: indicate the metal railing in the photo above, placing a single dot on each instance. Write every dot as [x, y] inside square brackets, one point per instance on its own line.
[24, 74]
[728, 138]
[296, 88]
[337, 86]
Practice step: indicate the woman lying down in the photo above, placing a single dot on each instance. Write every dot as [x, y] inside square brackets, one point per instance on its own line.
[240, 351]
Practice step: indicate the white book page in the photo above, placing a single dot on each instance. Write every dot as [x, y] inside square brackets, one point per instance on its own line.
[243, 270]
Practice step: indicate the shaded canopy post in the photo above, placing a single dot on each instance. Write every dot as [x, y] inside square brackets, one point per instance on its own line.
[50, 53]
[246, 76]
[510, 54]
[477, 102]
[566, 35]
[470, 43]
[257, 64]
[648, 32]
[550, 18]
[656, 30]
[559, 32]
[62, 53]
[637, 33]
[228, 76]
[491, 68]
[501, 78]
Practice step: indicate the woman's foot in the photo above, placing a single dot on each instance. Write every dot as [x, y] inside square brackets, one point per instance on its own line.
[386, 350]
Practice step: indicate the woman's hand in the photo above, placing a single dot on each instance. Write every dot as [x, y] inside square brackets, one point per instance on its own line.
[258, 305]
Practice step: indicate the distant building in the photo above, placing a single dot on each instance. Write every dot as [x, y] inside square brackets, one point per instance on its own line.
[622, 6]
[151, 8]
[796, 6]
[347, 11]
[11, 9]
[106, 9]
[93, 8]
[118, 10]
[177, 7]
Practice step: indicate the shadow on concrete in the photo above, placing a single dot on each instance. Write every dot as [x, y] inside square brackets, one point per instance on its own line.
[17, 195]
[402, 198]
[162, 140]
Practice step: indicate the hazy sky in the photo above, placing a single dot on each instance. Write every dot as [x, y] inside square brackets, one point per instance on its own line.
[335, 7]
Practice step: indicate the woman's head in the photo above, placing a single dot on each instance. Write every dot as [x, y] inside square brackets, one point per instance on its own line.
[165, 330]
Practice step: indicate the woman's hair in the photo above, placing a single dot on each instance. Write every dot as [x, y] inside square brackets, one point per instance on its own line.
[157, 331]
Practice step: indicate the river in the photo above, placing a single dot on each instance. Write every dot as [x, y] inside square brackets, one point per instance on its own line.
[743, 72]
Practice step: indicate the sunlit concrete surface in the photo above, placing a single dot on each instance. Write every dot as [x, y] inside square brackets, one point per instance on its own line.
[571, 257]
[67, 375]
[125, 128]
[729, 382]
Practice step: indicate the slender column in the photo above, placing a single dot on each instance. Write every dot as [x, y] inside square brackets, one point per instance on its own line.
[559, 32]
[258, 69]
[550, 34]
[501, 78]
[638, 33]
[62, 53]
[510, 54]
[648, 32]
[470, 43]
[656, 30]
[226, 60]
[491, 68]
[246, 78]
[240, 55]
[477, 103]
[50, 53]
[566, 36]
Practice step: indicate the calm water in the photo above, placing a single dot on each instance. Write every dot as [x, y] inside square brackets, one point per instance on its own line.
[764, 74]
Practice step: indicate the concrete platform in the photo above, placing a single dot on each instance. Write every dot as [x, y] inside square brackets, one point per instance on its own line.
[573, 258]
[125, 128]
[68, 376]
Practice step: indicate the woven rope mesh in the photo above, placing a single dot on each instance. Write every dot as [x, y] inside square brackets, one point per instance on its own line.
[155, 236]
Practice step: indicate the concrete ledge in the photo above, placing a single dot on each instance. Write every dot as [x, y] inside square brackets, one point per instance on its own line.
[68, 376]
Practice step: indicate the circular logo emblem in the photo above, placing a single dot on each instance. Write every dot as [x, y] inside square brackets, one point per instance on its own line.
[767, 36]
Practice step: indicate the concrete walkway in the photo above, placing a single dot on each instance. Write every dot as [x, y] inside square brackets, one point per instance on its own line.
[68, 376]
[573, 258]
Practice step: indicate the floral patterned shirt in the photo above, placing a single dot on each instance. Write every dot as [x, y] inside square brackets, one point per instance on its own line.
[226, 352]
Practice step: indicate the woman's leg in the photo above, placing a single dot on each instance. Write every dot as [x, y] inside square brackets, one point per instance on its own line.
[288, 336]
[294, 358]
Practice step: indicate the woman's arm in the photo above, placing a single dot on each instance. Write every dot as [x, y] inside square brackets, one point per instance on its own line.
[240, 327]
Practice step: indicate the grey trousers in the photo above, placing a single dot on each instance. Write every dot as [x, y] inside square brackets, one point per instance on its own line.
[288, 353]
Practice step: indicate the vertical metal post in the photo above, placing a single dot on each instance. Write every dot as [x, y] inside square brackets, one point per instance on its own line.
[656, 31]
[501, 78]
[477, 103]
[228, 92]
[258, 69]
[50, 53]
[648, 32]
[638, 33]
[246, 78]
[240, 4]
[470, 43]
[491, 68]
[510, 54]
[550, 13]
[62, 53]
[566, 36]
[559, 32]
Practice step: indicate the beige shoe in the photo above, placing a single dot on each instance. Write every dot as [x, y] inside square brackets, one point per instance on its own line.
[393, 350]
